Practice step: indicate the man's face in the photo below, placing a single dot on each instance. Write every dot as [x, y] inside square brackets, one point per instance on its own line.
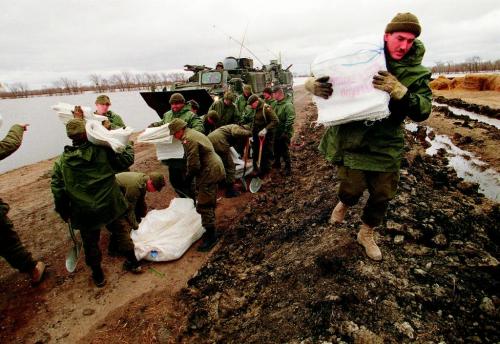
[254, 104]
[102, 108]
[246, 93]
[176, 107]
[228, 101]
[267, 96]
[178, 134]
[278, 95]
[399, 43]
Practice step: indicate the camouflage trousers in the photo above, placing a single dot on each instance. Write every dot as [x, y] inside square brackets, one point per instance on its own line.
[11, 247]
[206, 202]
[120, 241]
[382, 187]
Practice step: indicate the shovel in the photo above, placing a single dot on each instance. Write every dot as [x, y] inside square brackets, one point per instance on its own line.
[256, 182]
[74, 252]
[245, 159]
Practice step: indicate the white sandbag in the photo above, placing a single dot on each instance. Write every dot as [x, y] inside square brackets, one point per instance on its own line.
[351, 67]
[167, 146]
[117, 139]
[240, 164]
[167, 234]
[1, 120]
[64, 110]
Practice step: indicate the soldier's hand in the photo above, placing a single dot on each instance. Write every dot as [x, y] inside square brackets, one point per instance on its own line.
[387, 82]
[24, 126]
[106, 124]
[263, 132]
[78, 112]
[320, 87]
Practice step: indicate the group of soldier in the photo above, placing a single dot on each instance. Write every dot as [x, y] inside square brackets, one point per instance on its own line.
[93, 187]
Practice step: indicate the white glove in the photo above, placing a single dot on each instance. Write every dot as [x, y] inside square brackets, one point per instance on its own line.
[263, 132]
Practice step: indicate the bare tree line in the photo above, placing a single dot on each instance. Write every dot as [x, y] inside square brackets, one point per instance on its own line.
[471, 65]
[124, 81]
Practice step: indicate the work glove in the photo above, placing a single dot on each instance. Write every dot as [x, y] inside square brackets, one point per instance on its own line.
[387, 82]
[263, 132]
[320, 87]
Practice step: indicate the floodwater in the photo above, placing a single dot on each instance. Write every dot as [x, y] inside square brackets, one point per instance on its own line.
[481, 118]
[46, 135]
[466, 164]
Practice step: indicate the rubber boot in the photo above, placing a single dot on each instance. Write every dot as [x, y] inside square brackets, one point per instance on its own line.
[231, 191]
[37, 273]
[365, 239]
[209, 241]
[338, 213]
[98, 276]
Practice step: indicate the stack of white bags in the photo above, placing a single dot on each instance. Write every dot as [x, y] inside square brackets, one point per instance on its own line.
[117, 139]
[167, 147]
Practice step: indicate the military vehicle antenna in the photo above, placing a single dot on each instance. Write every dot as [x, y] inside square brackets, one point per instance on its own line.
[243, 40]
[240, 43]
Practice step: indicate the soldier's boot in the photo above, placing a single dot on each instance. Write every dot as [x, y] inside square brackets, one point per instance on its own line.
[98, 276]
[288, 169]
[365, 239]
[231, 191]
[209, 241]
[37, 273]
[131, 264]
[338, 213]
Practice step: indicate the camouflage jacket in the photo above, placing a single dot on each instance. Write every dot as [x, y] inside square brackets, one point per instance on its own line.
[244, 109]
[228, 114]
[202, 161]
[226, 136]
[193, 121]
[285, 111]
[115, 120]
[264, 117]
[133, 187]
[84, 184]
[9, 145]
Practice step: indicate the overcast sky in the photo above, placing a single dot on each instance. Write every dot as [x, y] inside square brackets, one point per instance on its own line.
[42, 41]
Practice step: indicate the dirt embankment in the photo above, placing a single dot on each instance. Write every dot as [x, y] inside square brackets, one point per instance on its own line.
[282, 273]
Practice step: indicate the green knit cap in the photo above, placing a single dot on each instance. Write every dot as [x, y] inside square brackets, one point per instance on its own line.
[177, 98]
[158, 180]
[252, 99]
[103, 99]
[404, 22]
[176, 125]
[75, 127]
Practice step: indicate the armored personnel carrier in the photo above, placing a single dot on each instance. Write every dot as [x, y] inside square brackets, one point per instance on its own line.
[207, 85]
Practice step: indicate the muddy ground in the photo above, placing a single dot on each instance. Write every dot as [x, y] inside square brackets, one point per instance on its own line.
[281, 273]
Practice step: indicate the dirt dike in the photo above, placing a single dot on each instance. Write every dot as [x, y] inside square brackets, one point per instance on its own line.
[283, 274]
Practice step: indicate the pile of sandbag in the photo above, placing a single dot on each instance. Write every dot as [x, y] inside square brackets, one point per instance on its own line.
[167, 147]
[167, 233]
[351, 67]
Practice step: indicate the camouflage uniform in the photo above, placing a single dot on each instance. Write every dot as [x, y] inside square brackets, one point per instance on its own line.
[228, 114]
[223, 139]
[85, 191]
[11, 247]
[133, 186]
[204, 164]
[244, 111]
[285, 112]
[177, 167]
[115, 120]
[263, 117]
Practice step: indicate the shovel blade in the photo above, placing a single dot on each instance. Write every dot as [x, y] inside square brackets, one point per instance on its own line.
[72, 257]
[255, 184]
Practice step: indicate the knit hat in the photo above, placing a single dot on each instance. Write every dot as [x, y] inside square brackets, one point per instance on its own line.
[158, 180]
[103, 99]
[247, 88]
[75, 127]
[252, 99]
[212, 114]
[177, 98]
[267, 90]
[229, 96]
[176, 125]
[194, 104]
[404, 22]
[277, 88]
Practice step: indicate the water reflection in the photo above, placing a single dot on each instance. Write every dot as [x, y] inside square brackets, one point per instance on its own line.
[481, 118]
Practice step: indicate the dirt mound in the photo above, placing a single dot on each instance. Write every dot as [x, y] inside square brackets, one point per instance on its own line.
[472, 82]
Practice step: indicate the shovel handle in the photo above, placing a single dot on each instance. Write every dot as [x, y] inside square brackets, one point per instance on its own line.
[245, 156]
[261, 144]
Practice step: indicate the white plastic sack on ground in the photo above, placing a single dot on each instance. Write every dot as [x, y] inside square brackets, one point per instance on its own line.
[240, 164]
[167, 147]
[65, 114]
[351, 67]
[117, 139]
[167, 233]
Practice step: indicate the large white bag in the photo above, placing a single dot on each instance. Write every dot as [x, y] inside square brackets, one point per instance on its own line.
[351, 67]
[117, 139]
[167, 146]
[64, 110]
[168, 233]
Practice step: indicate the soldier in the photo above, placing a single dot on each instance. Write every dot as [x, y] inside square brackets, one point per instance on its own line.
[263, 125]
[285, 111]
[210, 121]
[204, 164]
[267, 95]
[223, 139]
[227, 111]
[134, 186]
[194, 106]
[11, 247]
[87, 194]
[177, 167]
[102, 104]
[219, 66]
[242, 105]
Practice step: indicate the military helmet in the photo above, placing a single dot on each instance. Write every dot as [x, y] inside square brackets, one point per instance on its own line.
[75, 127]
